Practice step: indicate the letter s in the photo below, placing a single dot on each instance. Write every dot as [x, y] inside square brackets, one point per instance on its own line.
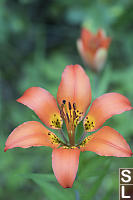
[125, 173]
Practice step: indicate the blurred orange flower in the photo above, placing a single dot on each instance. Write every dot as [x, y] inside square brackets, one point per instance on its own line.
[74, 98]
[93, 48]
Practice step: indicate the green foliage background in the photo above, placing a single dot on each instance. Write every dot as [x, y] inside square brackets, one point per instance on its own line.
[37, 40]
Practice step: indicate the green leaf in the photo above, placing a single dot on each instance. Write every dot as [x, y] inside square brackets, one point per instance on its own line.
[50, 187]
[96, 185]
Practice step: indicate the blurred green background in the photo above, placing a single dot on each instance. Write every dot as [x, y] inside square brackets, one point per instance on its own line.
[37, 40]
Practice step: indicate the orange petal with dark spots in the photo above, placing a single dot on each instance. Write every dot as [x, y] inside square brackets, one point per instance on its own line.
[105, 107]
[107, 142]
[29, 134]
[44, 105]
[75, 88]
[65, 165]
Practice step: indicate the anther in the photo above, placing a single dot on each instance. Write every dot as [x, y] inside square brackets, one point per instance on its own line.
[64, 101]
[69, 105]
[67, 117]
[62, 112]
[74, 106]
[74, 115]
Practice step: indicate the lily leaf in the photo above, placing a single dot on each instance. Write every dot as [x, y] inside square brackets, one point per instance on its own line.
[50, 187]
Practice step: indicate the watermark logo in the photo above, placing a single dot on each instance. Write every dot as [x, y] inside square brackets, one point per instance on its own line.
[125, 183]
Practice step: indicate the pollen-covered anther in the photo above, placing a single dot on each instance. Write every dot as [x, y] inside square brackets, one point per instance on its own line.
[89, 124]
[54, 139]
[56, 121]
[77, 115]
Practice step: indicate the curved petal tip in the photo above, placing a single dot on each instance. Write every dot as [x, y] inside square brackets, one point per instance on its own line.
[107, 142]
[5, 149]
[29, 134]
[105, 107]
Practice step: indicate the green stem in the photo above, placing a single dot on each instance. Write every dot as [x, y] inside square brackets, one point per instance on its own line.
[96, 83]
[71, 138]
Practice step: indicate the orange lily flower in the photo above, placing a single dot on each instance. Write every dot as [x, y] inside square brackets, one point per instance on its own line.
[93, 48]
[74, 98]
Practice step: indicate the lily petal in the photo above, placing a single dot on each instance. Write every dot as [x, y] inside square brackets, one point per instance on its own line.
[65, 165]
[101, 34]
[103, 108]
[44, 105]
[105, 40]
[29, 134]
[75, 88]
[107, 142]
[100, 58]
[86, 36]
[87, 58]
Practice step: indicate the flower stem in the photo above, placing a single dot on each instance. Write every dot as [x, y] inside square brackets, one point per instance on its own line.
[96, 83]
[77, 195]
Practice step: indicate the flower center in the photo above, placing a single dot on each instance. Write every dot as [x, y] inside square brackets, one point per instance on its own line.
[70, 113]
[72, 116]
[56, 141]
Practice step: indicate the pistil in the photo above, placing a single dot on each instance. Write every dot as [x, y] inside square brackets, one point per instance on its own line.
[71, 116]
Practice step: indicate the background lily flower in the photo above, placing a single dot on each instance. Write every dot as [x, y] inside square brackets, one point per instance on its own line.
[74, 98]
[93, 48]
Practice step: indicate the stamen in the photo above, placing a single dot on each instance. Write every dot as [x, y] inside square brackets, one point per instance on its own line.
[70, 107]
[67, 117]
[74, 115]
[65, 106]
[62, 114]
[74, 106]
[63, 101]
